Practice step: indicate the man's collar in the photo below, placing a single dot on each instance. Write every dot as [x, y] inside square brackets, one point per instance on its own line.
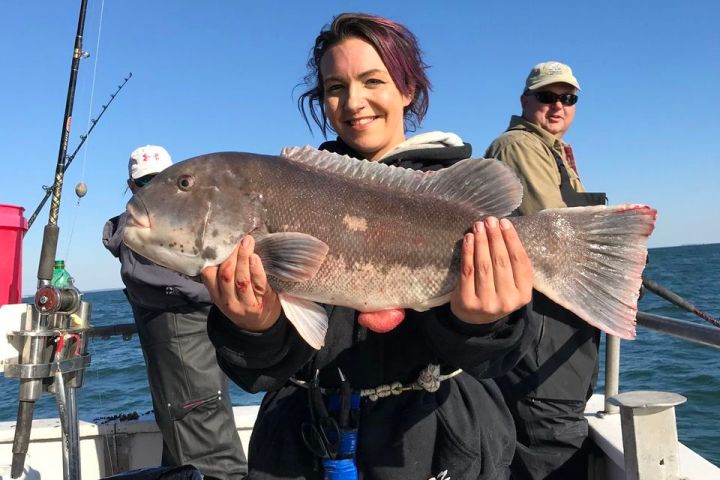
[519, 123]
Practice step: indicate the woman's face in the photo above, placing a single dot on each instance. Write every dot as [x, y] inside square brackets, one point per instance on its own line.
[362, 103]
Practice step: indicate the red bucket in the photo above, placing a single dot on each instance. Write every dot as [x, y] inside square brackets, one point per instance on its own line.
[12, 229]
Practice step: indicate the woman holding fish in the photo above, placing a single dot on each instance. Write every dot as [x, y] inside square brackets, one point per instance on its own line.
[385, 397]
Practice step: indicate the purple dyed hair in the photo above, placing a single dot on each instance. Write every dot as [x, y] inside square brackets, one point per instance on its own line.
[398, 49]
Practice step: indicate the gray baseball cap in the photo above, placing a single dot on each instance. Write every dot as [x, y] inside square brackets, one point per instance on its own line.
[548, 73]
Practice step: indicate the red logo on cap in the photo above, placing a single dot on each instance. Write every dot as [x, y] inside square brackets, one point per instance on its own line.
[146, 156]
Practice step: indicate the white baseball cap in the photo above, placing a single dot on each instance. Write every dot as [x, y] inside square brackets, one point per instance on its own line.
[148, 160]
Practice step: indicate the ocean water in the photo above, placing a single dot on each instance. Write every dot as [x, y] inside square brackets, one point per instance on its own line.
[115, 382]
[655, 361]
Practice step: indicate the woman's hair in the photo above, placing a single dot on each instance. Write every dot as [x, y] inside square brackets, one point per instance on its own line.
[398, 49]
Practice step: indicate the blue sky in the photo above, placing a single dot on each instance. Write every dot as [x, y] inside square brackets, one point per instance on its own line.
[222, 75]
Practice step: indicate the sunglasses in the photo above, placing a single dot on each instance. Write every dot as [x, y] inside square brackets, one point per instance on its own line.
[567, 99]
[142, 181]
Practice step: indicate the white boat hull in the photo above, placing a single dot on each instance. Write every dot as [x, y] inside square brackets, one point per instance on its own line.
[105, 449]
[118, 446]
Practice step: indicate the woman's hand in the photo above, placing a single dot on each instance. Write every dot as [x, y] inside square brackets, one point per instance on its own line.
[239, 288]
[496, 275]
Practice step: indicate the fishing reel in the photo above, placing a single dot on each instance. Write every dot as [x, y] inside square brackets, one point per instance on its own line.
[52, 345]
[51, 299]
[52, 340]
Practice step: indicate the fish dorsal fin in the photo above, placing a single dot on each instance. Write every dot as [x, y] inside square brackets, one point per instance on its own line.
[486, 185]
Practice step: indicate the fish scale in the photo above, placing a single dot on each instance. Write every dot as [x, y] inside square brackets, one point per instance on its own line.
[364, 268]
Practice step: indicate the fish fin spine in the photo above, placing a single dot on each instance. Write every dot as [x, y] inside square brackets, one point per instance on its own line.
[487, 186]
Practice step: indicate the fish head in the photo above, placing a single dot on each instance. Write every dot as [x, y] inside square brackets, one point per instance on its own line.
[193, 214]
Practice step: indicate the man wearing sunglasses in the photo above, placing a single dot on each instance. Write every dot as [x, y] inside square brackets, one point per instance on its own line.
[548, 389]
[189, 391]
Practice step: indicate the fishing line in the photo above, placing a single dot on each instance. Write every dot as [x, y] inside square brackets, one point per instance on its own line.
[90, 124]
[92, 89]
[90, 121]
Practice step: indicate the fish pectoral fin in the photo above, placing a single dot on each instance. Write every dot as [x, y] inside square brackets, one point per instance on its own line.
[308, 318]
[433, 302]
[291, 256]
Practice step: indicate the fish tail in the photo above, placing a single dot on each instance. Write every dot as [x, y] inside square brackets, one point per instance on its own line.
[590, 260]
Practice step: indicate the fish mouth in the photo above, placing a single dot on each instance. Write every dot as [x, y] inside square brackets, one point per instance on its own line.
[137, 214]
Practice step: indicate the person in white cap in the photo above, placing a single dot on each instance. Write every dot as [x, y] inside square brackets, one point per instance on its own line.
[189, 391]
[146, 162]
[548, 389]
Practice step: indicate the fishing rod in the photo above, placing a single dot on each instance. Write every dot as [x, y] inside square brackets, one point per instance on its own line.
[677, 300]
[54, 307]
[94, 121]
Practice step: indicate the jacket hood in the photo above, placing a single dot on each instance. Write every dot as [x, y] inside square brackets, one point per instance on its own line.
[426, 151]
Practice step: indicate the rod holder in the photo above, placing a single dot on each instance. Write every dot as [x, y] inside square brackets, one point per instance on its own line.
[649, 434]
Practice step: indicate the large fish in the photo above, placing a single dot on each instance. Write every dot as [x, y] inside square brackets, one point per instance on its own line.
[365, 235]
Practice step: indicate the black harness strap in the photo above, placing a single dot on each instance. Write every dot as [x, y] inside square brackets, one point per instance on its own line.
[573, 198]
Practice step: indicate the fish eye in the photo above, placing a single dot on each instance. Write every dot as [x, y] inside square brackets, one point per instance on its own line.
[185, 182]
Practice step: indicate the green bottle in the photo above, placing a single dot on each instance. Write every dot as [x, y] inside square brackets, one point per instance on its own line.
[61, 278]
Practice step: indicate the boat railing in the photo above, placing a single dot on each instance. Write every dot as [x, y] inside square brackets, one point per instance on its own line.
[643, 413]
[693, 332]
[701, 334]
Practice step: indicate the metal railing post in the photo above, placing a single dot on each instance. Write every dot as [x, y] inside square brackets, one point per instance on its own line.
[612, 371]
